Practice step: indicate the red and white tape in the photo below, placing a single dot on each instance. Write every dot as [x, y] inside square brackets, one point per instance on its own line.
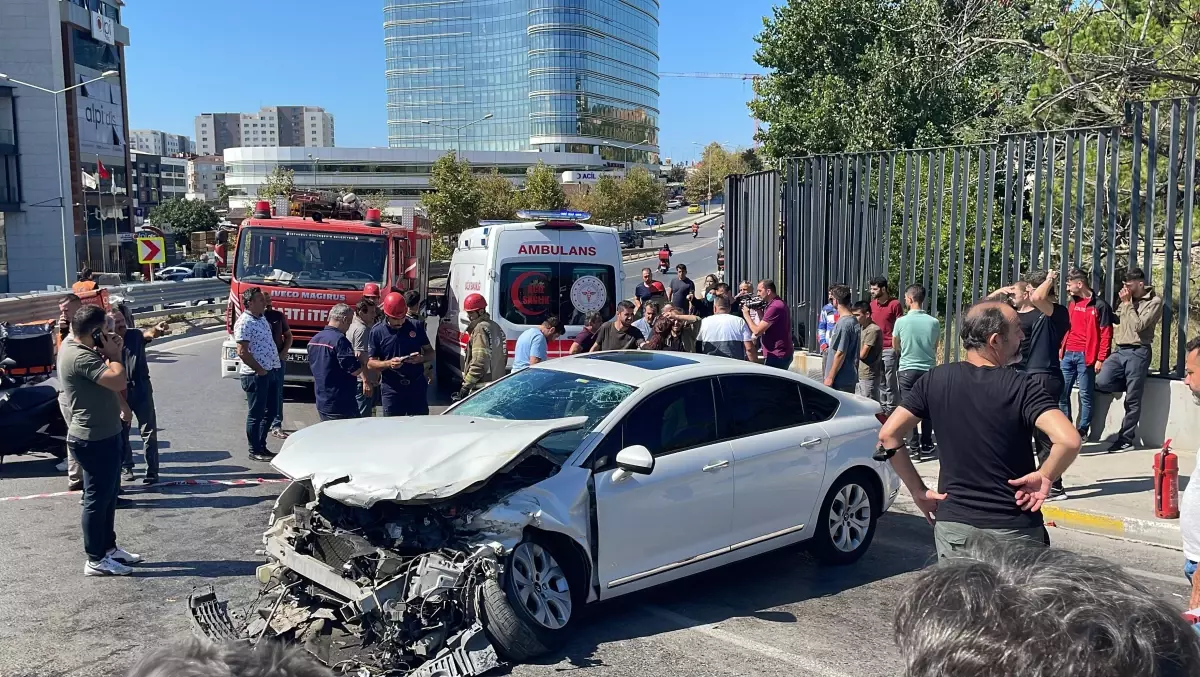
[174, 483]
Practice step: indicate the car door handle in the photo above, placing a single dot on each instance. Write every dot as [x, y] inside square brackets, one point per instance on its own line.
[811, 442]
[715, 466]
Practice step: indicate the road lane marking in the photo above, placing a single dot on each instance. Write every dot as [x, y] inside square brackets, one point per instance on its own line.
[712, 631]
[188, 343]
[249, 482]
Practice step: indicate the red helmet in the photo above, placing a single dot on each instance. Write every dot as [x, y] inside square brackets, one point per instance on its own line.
[474, 302]
[371, 290]
[394, 306]
[657, 287]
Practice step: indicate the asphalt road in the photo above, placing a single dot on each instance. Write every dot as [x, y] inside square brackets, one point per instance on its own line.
[699, 254]
[780, 614]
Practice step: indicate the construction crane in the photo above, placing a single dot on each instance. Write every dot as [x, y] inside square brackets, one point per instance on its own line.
[752, 77]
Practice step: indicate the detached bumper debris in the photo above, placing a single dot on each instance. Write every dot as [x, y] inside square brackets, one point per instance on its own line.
[389, 590]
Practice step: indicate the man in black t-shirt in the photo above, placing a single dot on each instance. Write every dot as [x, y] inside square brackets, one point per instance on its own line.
[1044, 323]
[619, 333]
[983, 415]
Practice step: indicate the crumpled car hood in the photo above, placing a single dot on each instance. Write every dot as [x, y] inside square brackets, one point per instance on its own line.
[362, 461]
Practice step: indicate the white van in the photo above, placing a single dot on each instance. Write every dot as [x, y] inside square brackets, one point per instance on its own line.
[547, 264]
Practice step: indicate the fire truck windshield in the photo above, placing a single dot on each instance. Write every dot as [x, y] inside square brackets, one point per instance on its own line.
[311, 259]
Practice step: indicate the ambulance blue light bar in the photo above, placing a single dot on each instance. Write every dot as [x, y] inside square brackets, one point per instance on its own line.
[564, 215]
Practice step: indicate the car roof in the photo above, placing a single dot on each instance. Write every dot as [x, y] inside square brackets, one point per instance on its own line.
[639, 368]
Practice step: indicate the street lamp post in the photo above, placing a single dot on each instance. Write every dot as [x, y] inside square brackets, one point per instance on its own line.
[457, 130]
[62, 207]
[708, 174]
[315, 161]
[626, 148]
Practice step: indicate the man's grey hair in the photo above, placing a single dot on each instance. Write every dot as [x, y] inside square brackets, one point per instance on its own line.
[1012, 609]
[340, 313]
[981, 322]
[194, 657]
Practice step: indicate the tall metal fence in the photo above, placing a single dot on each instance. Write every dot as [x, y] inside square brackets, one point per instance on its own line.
[965, 220]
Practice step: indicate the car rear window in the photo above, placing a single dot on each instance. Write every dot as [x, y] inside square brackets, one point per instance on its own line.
[532, 291]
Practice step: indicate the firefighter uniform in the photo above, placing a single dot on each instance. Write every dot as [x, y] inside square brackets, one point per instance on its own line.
[487, 353]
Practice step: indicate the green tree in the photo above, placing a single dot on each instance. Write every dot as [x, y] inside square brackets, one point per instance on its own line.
[677, 174]
[280, 182]
[181, 217]
[453, 204]
[222, 195]
[641, 194]
[708, 176]
[606, 202]
[498, 198]
[542, 189]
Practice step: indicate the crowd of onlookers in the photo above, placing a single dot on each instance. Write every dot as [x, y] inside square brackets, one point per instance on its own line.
[752, 324]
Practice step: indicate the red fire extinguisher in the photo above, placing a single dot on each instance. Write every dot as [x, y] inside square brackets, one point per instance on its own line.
[1166, 483]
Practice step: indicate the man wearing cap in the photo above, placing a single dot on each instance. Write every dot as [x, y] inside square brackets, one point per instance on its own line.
[488, 356]
[399, 352]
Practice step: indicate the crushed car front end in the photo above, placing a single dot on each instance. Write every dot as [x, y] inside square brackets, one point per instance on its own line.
[407, 575]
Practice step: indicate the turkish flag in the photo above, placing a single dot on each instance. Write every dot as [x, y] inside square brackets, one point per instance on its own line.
[101, 170]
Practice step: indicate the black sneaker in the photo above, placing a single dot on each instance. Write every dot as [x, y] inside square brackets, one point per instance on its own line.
[260, 456]
[127, 474]
[928, 453]
[125, 503]
[150, 479]
[1119, 446]
[1057, 494]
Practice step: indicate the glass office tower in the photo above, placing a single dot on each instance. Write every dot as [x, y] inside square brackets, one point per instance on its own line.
[556, 75]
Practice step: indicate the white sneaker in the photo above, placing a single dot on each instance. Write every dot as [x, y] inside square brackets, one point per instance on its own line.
[119, 555]
[106, 567]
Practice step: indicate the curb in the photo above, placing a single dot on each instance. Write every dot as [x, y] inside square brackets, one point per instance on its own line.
[1155, 532]
[669, 229]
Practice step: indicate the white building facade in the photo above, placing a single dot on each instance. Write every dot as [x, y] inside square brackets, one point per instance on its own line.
[204, 174]
[399, 174]
[160, 143]
[270, 127]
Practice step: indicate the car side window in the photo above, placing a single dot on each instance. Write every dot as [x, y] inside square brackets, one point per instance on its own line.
[753, 404]
[818, 405]
[675, 418]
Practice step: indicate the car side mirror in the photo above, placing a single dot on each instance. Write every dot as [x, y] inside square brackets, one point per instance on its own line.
[635, 460]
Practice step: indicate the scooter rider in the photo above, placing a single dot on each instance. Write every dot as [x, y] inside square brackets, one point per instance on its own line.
[695, 229]
[488, 347]
[664, 258]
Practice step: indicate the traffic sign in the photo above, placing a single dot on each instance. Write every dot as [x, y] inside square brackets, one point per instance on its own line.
[151, 250]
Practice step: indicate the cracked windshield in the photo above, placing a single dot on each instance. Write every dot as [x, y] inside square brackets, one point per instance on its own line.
[542, 394]
[316, 260]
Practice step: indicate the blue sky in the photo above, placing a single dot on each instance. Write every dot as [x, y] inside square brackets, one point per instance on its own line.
[227, 55]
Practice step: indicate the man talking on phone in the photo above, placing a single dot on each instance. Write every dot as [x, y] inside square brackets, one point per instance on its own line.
[399, 350]
[92, 375]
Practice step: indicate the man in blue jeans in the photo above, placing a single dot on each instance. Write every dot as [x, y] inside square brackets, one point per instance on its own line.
[1085, 346]
[92, 375]
[261, 371]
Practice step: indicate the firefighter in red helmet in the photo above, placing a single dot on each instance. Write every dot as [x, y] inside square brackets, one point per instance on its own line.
[487, 354]
[399, 350]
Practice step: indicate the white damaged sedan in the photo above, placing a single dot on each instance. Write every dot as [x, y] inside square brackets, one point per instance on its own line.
[441, 545]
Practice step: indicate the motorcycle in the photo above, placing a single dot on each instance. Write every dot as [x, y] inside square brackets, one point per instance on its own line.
[30, 418]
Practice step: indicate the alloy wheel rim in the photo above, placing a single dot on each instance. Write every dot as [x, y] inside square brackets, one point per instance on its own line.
[849, 518]
[541, 586]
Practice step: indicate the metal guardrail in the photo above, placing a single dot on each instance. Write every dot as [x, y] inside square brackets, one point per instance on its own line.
[145, 300]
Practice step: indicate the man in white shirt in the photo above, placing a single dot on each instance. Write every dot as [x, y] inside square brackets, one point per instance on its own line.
[260, 367]
[726, 335]
[1189, 508]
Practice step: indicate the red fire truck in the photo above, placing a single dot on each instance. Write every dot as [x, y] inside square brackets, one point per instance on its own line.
[310, 263]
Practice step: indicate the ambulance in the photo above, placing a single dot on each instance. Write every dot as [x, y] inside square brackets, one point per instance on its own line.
[548, 263]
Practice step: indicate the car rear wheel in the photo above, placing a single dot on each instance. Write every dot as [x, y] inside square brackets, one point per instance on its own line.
[530, 610]
[846, 522]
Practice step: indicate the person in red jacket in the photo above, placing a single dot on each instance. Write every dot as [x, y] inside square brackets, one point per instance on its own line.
[1085, 346]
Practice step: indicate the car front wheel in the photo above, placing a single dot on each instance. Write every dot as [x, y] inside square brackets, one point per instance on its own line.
[846, 522]
[528, 613]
